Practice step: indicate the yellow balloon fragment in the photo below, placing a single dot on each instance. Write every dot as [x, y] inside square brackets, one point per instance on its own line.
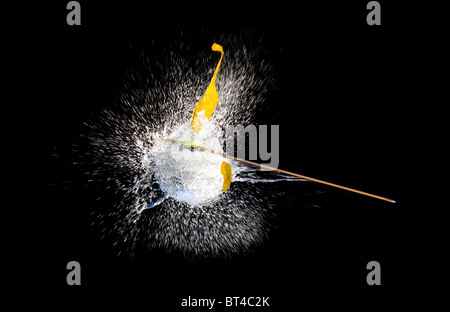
[217, 47]
[208, 102]
[207, 105]
[226, 172]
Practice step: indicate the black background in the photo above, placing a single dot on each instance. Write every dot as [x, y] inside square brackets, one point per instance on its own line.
[341, 109]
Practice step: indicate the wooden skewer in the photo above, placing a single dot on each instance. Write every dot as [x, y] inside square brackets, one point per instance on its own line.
[201, 148]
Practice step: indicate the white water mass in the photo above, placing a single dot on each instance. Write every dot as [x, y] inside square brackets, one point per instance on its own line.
[190, 176]
[166, 195]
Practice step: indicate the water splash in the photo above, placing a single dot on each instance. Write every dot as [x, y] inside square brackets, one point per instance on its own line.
[189, 211]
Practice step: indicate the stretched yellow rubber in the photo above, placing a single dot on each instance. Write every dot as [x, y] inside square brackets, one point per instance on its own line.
[209, 101]
[207, 105]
